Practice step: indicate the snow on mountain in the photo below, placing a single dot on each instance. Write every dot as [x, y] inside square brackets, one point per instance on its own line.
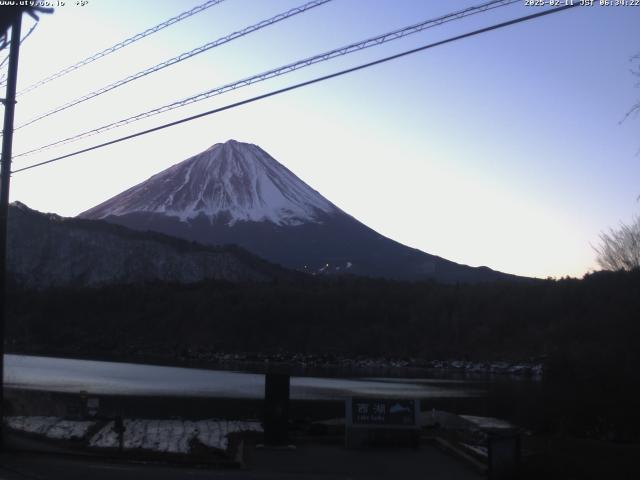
[45, 250]
[232, 181]
[236, 193]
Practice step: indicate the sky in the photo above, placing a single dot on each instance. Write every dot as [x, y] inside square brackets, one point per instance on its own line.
[506, 149]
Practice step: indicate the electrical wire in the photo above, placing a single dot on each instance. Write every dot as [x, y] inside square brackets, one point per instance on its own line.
[33, 27]
[183, 56]
[322, 57]
[304, 84]
[122, 44]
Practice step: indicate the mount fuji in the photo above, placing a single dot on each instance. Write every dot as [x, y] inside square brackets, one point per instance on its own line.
[236, 193]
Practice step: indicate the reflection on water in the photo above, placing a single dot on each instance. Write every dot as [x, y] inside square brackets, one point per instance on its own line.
[427, 381]
[71, 375]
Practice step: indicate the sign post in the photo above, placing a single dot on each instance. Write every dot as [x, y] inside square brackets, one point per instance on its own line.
[276, 409]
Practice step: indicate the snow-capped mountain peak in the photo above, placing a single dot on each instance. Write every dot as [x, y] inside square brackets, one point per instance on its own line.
[232, 181]
[236, 193]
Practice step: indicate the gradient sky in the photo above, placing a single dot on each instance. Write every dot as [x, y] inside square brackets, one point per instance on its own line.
[505, 149]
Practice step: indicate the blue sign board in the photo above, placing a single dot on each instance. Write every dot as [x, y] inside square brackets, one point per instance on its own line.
[387, 412]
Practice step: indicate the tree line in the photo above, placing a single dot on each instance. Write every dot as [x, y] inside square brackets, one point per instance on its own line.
[574, 326]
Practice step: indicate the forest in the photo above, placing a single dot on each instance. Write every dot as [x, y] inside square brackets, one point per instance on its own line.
[584, 331]
[575, 327]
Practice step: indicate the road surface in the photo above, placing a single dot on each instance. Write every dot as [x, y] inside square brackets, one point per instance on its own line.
[315, 462]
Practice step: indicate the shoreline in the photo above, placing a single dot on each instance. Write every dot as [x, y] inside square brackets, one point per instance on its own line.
[311, 364]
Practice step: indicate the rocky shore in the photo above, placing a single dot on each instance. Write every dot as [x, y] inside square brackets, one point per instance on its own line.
[309, 361]
[299, 363]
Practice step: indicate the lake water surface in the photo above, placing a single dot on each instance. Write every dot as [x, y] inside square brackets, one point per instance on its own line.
[112, 378]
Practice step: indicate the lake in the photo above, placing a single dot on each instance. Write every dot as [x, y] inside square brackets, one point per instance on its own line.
[112, 378]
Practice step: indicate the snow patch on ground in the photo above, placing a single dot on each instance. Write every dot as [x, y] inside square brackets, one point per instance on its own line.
[487, 422]
[171, 436]
[50, 427]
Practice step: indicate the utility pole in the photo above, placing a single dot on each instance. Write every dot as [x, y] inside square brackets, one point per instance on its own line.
[5, 176]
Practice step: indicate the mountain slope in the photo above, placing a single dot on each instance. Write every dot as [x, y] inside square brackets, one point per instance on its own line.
[46, 250]
[234, 181]
[236, 193]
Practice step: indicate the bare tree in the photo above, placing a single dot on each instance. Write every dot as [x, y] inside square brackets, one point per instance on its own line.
[635, 70]
[620, 248]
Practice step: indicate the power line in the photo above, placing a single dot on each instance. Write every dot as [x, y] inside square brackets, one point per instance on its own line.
[33, 27]
[303, 84]
[122, 44]
[322, 57]
[181, 57]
